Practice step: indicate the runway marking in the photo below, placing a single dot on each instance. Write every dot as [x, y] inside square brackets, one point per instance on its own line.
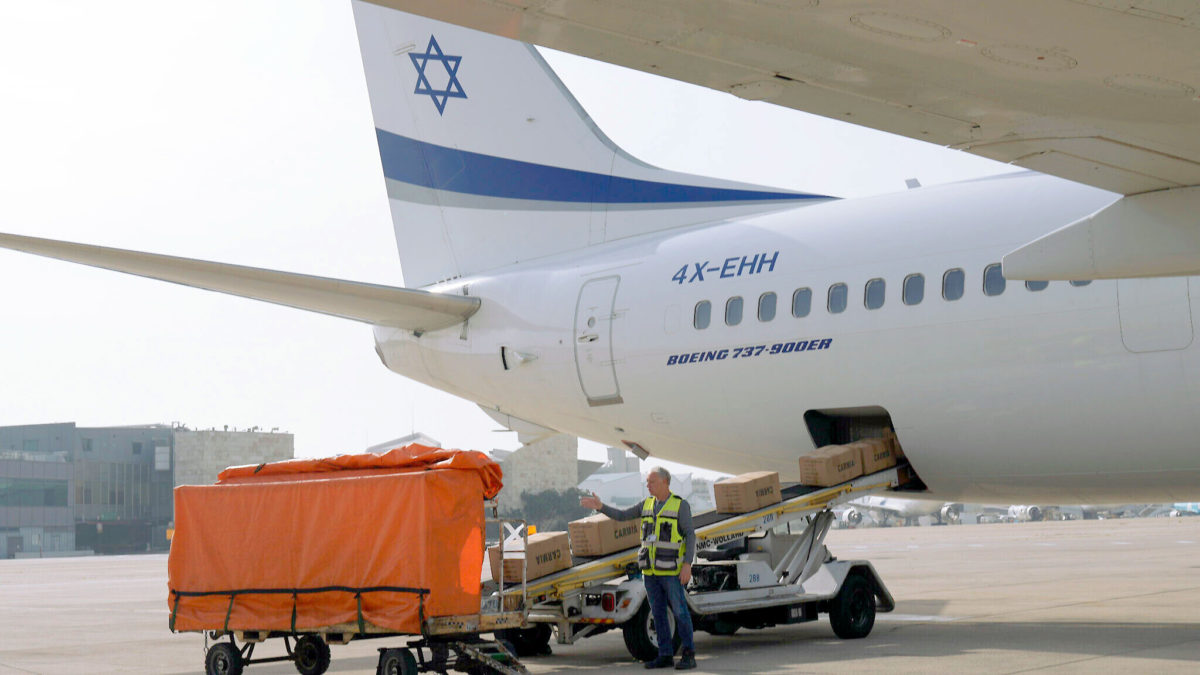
[914, 617]
[1121, 543]
[974, 545]
[1185, 541]
[1045, 543]
[1097, 657]
[1015, 612]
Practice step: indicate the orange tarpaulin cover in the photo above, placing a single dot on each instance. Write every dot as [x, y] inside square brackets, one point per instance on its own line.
[311, 543]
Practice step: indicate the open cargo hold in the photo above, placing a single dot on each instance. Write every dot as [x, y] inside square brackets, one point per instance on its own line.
[375, 543]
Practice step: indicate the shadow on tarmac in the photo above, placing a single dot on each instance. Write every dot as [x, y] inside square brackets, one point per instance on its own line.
[990, 647]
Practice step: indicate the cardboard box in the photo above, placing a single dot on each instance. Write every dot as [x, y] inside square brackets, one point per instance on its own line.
[877, 454]
[830, 465]
[548, 552]
[747, 492]
[897, 451]
[601, 535]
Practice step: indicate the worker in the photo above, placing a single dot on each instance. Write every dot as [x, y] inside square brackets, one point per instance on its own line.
[665, 558]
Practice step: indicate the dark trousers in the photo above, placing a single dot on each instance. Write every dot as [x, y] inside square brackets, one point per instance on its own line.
[666, 594]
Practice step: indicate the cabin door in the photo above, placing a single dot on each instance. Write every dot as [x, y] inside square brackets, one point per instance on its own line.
[1156, 314]
[593, 341]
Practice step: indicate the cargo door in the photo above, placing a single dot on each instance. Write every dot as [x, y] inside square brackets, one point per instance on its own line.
[1156, 314]
[593, 341]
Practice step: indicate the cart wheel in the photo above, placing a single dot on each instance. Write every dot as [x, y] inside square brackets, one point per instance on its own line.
[223, 659]
[852, 612]
[640, 637]
[312, 655]
[397, 662]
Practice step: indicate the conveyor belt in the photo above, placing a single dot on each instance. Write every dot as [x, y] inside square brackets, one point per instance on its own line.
[713, 528]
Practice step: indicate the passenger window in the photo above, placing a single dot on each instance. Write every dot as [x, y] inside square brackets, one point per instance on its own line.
[873, 293]
[766, 307]
[913, 291]
[993, 280]
[1037, 285]
[733, 311]
[837, 298]
[1081, 283]
[952, 284]
[703, 315]
[801, 302]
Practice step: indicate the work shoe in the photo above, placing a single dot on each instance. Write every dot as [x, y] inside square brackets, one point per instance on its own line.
[660, 662]
[687, 660]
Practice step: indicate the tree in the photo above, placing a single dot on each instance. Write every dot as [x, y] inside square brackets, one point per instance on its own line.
[550, 510]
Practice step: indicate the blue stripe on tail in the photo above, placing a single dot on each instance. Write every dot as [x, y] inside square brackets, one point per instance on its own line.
[433, 166]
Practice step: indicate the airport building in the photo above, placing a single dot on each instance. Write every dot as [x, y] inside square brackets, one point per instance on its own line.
[67, 489]
[550, 463]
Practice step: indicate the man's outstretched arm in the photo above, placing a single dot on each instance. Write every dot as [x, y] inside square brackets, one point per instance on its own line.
[593, 502]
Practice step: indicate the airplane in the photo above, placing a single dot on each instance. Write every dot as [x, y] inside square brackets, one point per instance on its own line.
[1100, 511]
[1026, 513]
[564, 285]
[1185, 509]
[884, 509]
[1032, 513]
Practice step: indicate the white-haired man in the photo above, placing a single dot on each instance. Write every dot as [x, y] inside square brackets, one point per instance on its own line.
[665, 558]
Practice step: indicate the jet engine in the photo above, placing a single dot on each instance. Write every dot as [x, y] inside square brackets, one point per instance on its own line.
[951, 513]
[1025, 513]
[851, 517]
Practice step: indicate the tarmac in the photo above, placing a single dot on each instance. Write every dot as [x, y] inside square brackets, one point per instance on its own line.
[1057, 597]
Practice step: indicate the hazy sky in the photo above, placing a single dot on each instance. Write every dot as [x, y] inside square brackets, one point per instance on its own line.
[241, 132]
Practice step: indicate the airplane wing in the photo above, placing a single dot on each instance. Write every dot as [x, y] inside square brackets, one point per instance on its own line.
[405, 308]
[1103, 92]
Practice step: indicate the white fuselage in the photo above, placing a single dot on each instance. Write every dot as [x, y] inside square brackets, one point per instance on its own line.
[1068, 394]
[881, 508]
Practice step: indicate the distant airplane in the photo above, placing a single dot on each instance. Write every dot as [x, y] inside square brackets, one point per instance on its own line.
[1095, 511]
[1186, 508]
[564, 285]
[884, 510]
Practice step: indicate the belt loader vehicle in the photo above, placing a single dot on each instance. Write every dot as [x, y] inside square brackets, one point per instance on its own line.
[752, 570]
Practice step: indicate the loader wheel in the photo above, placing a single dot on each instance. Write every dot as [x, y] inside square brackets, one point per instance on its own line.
[312, 655]
[397, 662]
[722, 627]
[532, 641]
[640, 637]
[852, 612]
[223, 659]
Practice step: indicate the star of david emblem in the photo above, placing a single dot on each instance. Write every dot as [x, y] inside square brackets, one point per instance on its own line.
[453, 88]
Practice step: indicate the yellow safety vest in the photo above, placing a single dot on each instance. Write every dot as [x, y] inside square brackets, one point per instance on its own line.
[662, 542]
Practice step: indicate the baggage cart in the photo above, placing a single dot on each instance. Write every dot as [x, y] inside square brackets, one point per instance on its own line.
[321, 552]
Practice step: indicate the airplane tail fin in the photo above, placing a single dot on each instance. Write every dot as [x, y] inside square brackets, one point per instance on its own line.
[489, 160]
